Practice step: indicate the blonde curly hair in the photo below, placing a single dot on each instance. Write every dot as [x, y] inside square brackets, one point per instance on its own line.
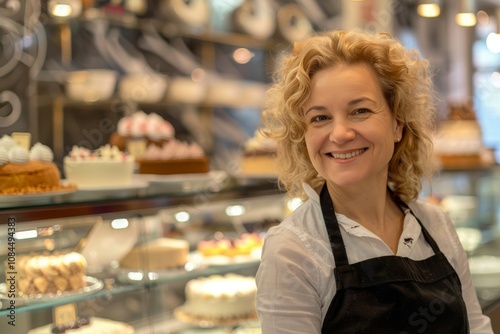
[406, 84]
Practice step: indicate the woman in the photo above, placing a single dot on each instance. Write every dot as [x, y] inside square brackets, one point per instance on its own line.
[352, 114]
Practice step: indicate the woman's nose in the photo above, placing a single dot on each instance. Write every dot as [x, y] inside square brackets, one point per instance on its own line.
[341, 131]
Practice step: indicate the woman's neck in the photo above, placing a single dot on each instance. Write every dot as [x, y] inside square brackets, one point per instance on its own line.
[373, 208]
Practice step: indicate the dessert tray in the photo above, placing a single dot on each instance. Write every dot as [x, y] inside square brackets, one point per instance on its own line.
[93, 285]
[106, 192]
[40, 198]
[254, 179]
[186, 183]
[135, 276]
[223, 260]
[135, 184]
[182, 315]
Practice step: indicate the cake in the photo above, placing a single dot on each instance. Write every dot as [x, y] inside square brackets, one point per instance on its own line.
[27, 172]
[105, 167]
[151, 128]
[174, 157]
[49, 274]
[93, 326]
[218, 297]
[243, 245]
[259, 155]
[162, 253]
[458, 142]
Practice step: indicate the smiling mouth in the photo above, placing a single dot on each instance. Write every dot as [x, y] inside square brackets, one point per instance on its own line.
[347, 155]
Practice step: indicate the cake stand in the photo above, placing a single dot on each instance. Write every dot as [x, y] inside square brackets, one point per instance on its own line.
[227, 324]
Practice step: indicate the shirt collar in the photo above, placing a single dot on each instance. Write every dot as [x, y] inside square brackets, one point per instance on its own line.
[411, 228]
[310, 192]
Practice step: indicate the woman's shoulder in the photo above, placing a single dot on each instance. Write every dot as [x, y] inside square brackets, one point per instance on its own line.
[434, 218]
[427, 211]
[304, 226]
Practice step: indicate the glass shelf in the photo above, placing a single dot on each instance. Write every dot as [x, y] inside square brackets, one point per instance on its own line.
[160, 192]
[119, 288]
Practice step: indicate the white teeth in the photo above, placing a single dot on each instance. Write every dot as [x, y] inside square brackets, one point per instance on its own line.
[347, 155]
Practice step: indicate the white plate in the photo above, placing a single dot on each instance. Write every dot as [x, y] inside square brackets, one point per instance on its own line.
[93, 285]
[126, 275]
[213, 181]
[33, 198]
[222, 260]
[181, 313]
[134, 185]
[109, 192]
[252, 179]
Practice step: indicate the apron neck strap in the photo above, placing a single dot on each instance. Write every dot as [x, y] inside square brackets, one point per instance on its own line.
[426, 233]
[333, 229]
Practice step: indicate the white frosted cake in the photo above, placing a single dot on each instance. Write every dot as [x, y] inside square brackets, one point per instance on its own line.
[163, 253]
[220, 297]
[105, 167]
[95, 326]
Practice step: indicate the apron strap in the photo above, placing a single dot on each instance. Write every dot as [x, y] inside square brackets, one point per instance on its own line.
[333, 229]
[426, 233]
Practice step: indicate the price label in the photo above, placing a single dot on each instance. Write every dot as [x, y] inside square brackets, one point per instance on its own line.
[136, 148]
[22, 139]
[65, 315]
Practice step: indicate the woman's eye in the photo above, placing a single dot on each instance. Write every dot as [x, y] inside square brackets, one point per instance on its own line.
[318, 118]
[361, 111]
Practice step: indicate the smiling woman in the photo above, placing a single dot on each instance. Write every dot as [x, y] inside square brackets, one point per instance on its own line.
[352, 114]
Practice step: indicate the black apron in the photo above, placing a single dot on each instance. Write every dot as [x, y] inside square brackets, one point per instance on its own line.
[392, 294]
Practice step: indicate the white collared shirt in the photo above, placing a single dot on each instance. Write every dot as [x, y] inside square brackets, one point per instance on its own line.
[295, 281]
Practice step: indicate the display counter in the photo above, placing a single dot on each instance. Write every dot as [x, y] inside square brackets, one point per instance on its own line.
[105, 224]
[194, 208]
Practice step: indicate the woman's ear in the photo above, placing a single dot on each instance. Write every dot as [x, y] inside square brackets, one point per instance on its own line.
[398, 131]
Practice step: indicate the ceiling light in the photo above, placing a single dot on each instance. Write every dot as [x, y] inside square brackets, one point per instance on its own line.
[466, 16]
[429, 8]
[65, 8]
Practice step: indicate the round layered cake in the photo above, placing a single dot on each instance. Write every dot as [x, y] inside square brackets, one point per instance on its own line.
[27, 172]
[458, 142]
[174, 157]
[259, 155]
[162, 253]
[218, 298]
[243, 245]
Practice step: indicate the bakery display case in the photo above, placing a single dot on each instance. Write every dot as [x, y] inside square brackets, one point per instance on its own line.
[133, 253]
[471, 197]
[120, 235]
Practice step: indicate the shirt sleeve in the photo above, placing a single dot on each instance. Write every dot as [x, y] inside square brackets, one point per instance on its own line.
[287, 300]
[478, 322]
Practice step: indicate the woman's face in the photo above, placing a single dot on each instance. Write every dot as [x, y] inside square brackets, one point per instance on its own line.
[350, 129]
